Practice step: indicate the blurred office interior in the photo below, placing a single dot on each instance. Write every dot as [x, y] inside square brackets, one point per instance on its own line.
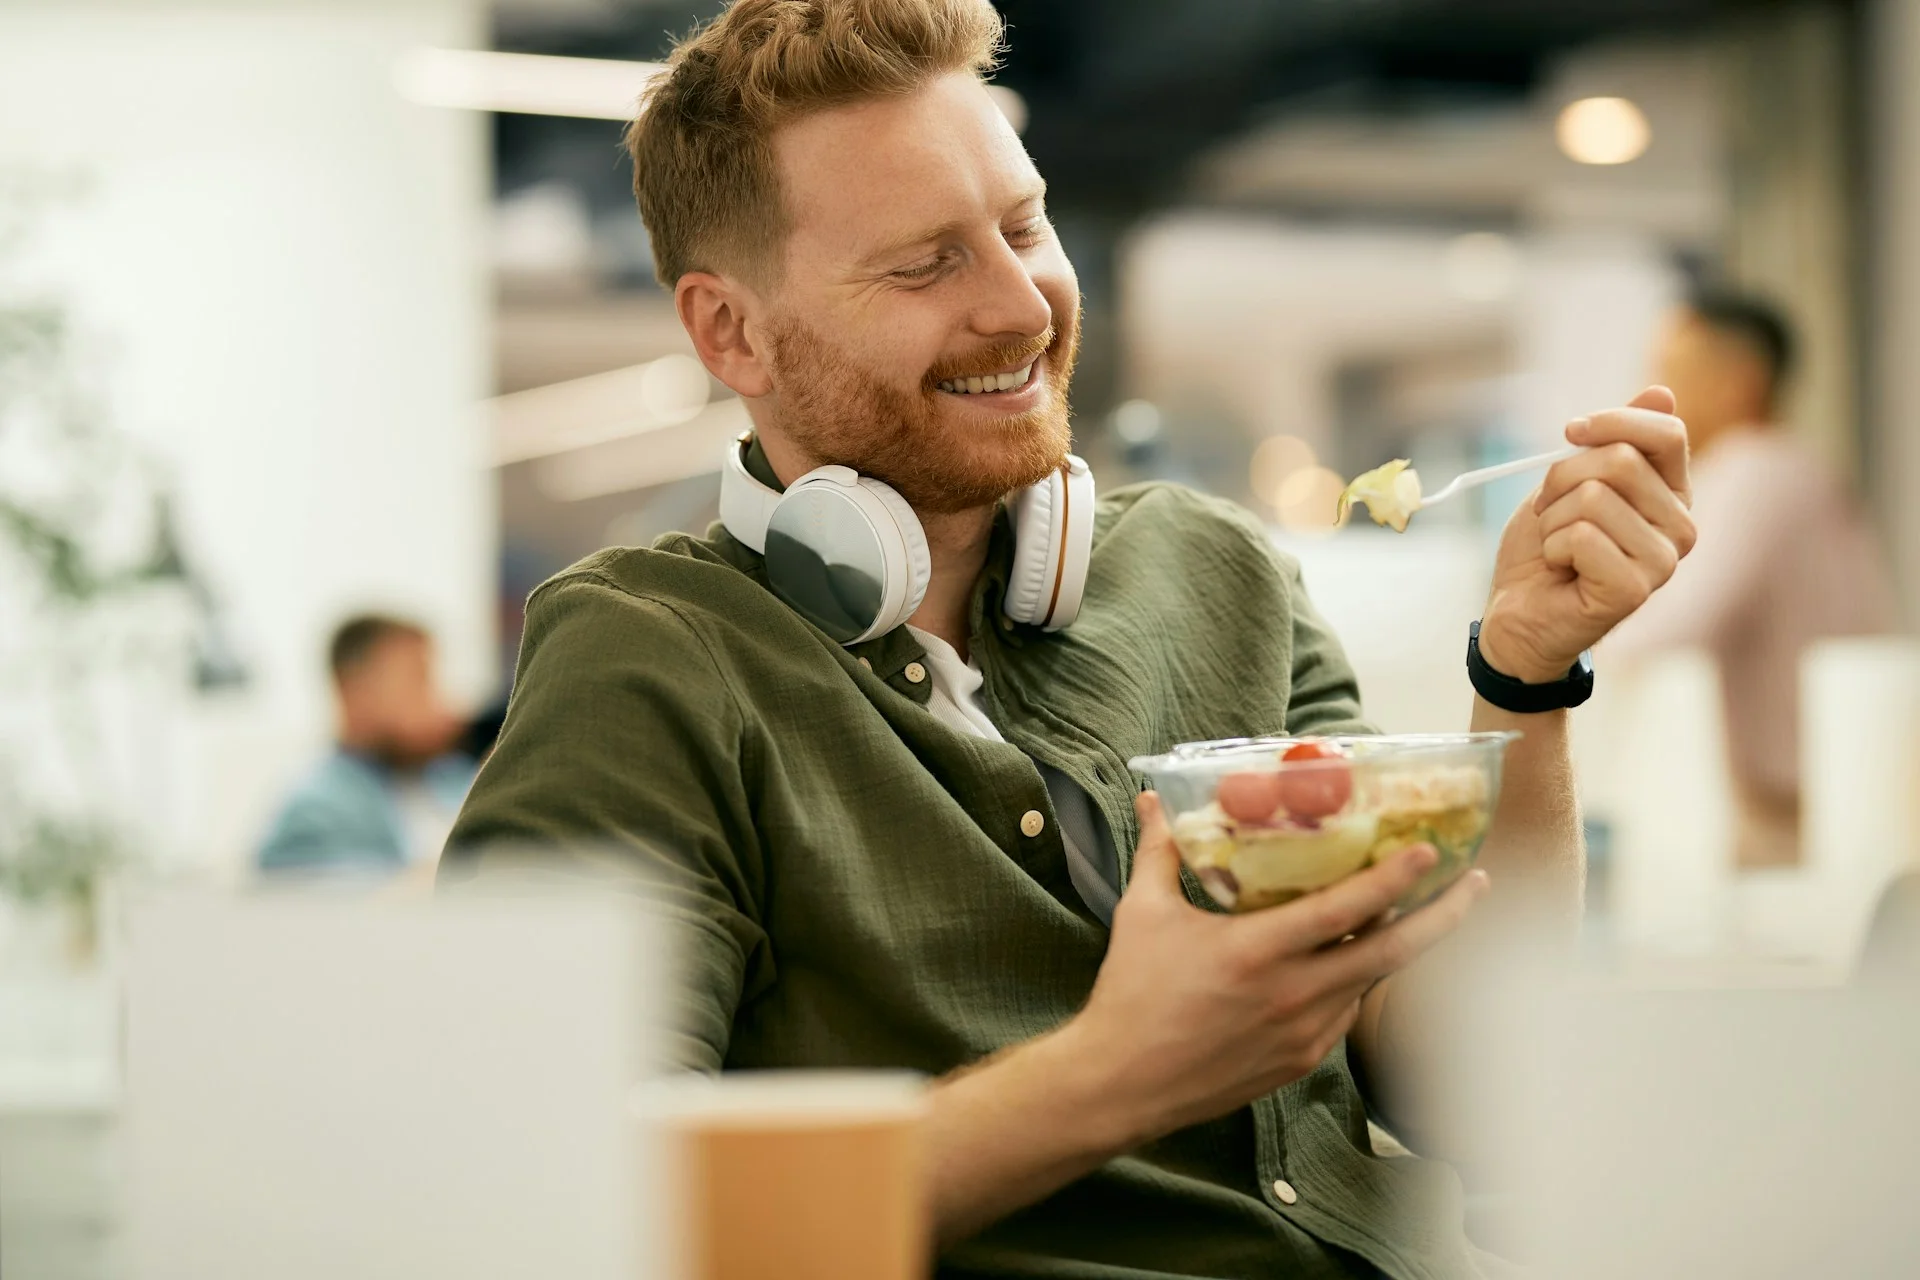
[312, 307]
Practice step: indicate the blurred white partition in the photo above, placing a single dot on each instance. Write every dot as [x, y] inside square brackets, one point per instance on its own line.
[1653, 756]
[328, 1086]
[1401, 606]
[1860, 771]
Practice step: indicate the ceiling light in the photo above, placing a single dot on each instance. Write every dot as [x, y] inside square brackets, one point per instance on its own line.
[1011, 104]
[1309, 500]
[1603, 131]
[539, 85]
[1137, 423]
[1275, 460]
[564, 416]
[524, 83]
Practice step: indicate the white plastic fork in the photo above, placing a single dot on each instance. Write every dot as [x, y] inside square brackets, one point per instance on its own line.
[1486, 475]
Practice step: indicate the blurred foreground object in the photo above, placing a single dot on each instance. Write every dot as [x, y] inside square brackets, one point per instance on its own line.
[803, 1175]
[320, 1087]
[1785, 556]
[1685, 1133]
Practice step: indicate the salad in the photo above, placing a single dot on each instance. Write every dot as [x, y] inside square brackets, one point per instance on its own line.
[1391, 492]
[1262, 822]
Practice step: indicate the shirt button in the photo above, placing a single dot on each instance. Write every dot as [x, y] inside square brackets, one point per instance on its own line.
[1283, 1191]
[1006, 623]
[915, 673]
[867, 663]
[1033, 822]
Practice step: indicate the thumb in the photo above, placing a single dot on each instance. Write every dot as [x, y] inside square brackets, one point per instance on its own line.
[1657, 398]
[1156, 863]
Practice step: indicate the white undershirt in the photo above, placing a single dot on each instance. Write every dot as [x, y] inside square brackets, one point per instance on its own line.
[957, 701]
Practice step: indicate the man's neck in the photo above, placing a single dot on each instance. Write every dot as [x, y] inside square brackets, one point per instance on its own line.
[957, 544]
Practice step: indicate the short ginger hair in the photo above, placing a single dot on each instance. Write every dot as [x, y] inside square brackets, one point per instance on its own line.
[702, 145]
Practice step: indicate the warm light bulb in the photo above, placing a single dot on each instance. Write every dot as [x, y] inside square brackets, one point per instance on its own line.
[1603, 131]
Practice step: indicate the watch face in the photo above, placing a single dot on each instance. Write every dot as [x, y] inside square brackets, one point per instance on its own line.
[825, 561]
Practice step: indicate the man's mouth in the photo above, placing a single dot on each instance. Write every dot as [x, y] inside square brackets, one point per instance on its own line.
[1009, 380]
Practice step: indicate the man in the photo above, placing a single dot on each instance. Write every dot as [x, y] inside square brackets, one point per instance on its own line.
[870, 844]
[1786, 557]
[385, 797]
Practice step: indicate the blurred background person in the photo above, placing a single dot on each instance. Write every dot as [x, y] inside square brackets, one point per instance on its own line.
[1786, 556]
[385, 796]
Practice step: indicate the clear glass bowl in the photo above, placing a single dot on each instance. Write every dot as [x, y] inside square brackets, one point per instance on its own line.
[1259, 830]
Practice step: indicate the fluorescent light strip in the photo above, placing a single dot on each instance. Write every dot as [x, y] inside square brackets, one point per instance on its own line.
[524, 83]
[537, 85]
[563, 416]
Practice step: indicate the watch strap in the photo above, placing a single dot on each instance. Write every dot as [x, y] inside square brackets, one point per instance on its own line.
[1521, 698]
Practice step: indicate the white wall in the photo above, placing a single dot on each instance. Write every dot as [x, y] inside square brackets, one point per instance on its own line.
[281, 262]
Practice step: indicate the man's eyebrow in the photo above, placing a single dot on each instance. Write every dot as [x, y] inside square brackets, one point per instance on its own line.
[1036, 190]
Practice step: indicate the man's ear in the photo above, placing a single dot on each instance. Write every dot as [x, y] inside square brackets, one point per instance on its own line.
[714, 311]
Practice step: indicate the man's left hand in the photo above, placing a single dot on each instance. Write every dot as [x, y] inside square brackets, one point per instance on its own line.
[1601, 534]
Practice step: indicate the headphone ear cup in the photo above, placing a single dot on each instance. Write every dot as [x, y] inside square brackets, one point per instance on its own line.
[1076, 544]
[1030, 582]
[1053, 545]
[913, 550]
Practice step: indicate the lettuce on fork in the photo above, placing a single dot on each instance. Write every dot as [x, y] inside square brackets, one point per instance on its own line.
[1392, 495]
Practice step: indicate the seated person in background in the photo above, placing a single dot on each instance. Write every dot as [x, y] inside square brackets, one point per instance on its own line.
[386, 795]
[1785, 556]
[891, 809]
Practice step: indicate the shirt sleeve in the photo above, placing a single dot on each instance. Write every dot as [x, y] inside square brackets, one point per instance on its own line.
[623, 758]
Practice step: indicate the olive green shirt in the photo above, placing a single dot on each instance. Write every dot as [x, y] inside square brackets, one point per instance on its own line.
[862, 886]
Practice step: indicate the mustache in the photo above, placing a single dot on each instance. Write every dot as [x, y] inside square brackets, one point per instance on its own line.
[1005, 355]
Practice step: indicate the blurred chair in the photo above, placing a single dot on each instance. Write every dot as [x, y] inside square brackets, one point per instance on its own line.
[1651, 754]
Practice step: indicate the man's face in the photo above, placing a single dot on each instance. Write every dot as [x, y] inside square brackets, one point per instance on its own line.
[921, 274]
[1716, 383]
[392, 704]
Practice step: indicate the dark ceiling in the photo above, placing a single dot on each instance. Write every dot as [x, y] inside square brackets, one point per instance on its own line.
[1124, 93]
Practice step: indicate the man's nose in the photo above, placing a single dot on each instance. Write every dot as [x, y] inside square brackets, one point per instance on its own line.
[1007, 298]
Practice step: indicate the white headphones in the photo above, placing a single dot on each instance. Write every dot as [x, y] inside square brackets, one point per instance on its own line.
[848, 554]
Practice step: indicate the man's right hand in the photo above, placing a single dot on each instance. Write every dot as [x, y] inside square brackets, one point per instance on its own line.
[1198, 1013]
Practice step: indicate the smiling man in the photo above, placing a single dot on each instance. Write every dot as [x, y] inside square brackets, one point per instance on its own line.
[869, 738]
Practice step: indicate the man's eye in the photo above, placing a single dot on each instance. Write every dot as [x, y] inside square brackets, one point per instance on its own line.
[925, 271]
[1028, 234]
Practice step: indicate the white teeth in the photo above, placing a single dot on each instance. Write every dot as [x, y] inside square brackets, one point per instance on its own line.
[990, 382]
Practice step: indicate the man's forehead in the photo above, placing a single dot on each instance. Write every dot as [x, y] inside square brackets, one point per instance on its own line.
[861, 178]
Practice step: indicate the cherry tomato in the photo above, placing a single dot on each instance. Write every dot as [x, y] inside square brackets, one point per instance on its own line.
[1318, 792]
[1249, 797]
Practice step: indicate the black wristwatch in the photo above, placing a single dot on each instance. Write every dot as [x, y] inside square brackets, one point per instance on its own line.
[1521, 698]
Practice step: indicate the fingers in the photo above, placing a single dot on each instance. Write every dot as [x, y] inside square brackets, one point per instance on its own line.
[1653, 549]
[1587, 553]
[1156, 863]
[1341, 909]
[1629, 474]
[1656, 434]
[1657, 398]
[1366, 960]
